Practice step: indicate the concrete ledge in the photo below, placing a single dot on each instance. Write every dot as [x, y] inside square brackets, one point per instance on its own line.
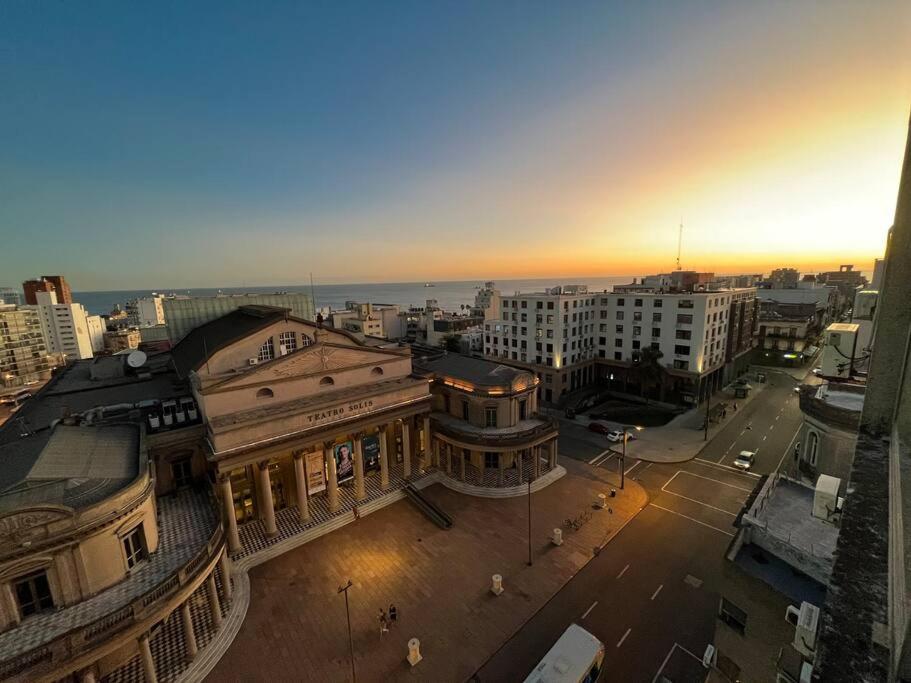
[507, 492]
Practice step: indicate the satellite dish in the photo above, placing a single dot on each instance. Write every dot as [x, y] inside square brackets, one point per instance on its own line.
[136, 359]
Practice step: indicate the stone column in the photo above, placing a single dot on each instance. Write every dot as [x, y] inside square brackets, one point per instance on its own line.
[227, 500]
[536, 455]
[265, 499]
[300, 479]
[189, 635]
[359, 491]
[499, 469]
[145, 655]
[214, 604]
[384, 457]
[332, 486]
[425, 458]
[446, 450]
[461, 457]
[406, 448]
[226, 586]
[87, 676]
[553, 454]
[518, 457]
[435, 457]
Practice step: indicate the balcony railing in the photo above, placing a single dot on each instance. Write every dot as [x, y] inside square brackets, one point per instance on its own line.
[545, 425]
[55, 653]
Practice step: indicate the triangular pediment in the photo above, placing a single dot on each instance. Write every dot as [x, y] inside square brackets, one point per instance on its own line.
[317, 359]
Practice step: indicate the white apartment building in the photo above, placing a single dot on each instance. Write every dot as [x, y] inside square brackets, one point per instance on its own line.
[145, 312]
[97, 328]
[690, 329]
[65, 327]
[551, 333]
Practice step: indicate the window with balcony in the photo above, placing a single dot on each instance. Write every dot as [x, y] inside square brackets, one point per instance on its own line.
[681, 365]
[523, 410]
[465, 410]
[637, 330]
[490, 416]
[685, 303]
[681, 350]
[684, 319]
[33, 593]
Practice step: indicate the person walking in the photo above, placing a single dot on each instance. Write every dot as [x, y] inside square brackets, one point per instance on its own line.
[393, 614]
[384, 624]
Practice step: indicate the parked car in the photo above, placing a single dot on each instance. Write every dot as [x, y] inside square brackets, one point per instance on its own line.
[744, 461]
[599, 428]
[617, 436]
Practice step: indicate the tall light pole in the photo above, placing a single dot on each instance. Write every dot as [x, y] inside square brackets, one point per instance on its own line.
[708, 401]
[531, 474]
[344, 589]
[623, 459]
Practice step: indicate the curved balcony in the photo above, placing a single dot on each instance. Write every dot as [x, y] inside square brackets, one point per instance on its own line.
[520, 435]
[52, 644]
[838, 406]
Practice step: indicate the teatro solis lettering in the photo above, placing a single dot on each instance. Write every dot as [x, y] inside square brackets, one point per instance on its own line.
[341, 410]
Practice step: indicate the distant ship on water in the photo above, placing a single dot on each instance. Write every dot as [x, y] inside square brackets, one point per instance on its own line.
[429, 284]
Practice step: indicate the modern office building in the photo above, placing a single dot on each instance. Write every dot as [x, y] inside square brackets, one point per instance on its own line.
[550, 333]
[23, 352]
[65, 326]
[184, 313]
[47, 283]
[8, 295]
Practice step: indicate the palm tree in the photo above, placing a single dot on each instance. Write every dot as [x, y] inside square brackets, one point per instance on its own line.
[649, 369]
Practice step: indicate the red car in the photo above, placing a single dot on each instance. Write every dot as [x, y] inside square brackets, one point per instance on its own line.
[599, 428]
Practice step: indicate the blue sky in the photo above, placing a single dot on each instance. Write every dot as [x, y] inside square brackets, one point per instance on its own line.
[205, 144]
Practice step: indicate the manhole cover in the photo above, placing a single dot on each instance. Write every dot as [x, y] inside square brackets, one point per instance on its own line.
[693, 581]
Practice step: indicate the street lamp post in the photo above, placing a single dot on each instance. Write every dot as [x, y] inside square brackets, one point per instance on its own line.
[623, 459]
[530, 475]
[344, 589]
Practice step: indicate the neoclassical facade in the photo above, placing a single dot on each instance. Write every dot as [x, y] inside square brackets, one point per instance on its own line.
[485, 422]
[297, 414]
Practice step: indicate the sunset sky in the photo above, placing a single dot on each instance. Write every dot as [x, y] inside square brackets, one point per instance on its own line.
[193, 145]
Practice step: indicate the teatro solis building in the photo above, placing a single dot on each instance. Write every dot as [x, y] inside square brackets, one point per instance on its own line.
[301, 420]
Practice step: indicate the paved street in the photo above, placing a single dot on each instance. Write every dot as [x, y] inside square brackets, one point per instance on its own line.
[652, 594]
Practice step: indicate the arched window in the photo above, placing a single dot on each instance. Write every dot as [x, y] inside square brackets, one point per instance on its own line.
[266, 351]
[326, 381]
[812, 448]
[376, 371]
[305, 340]
[265, 392]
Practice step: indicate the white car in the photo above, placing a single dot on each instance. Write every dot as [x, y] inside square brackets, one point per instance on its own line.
[617, 436]
[744, 461]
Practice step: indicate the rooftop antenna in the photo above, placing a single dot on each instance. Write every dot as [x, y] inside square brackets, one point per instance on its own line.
[679, 243]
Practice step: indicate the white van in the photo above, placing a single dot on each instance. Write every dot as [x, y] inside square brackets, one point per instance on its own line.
[576, 657]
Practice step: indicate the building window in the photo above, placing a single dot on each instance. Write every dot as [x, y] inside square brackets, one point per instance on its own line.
[681, 365]
[621, 302]
[446, 403]
[812, 448]
[287, 341]
[657, 303]
[637, 302]
[636, 344]
[685, 303]
[490, 417]
[618, 355]
[491, 460]
[326, 381]
[619, 315]
[182, 472]
[684, 319]
[134, 547]
[523, 410]
[684, 334]
[266, 351]
[376, 371]
[465, 410]
[656, 317]
[33, 593]
[656, 331]
[265, 392]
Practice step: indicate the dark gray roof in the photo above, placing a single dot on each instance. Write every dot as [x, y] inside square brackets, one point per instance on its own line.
[76, 467]
[475, 370]
[203, 341]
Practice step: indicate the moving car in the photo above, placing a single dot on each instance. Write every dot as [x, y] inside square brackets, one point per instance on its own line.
[599, 428]
[617, 435]
[744, 461]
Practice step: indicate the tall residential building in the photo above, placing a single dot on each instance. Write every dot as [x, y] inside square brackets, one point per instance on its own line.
[146, 311]
[184, 313]
[865, 629]
[65, 327]
[784, 278]
[487, 301]
[550, 333]
[8, 295]
[23, 353]
[48, 283]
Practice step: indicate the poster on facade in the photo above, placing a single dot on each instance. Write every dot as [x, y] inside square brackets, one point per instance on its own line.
[316, 472]
[344, 461]
[371, 447]
[399, 458]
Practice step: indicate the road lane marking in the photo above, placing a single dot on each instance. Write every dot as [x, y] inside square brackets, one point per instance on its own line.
[717, 481]
[788, 449]
[698, 502]
[657, 590]
[630, 469]
[763, 437]
[623, 572]
[732, 470]
[600, 455]
[588, 611]
[620, 642]
[692, 519]
[777, 417]
[771, 427]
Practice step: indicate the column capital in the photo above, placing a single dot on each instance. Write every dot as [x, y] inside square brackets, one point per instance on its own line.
[297, 455]
[223, 477]
[263, 465]
[359, 435]
[382, 429]
[328, 445]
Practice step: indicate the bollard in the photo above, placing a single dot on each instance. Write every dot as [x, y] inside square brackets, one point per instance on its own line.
[497, 586]
[414, 651]
[602, 501]
[558, 537]
[613, 493]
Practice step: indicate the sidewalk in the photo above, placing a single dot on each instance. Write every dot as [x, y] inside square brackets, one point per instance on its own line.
[295, 625]
[682, 438]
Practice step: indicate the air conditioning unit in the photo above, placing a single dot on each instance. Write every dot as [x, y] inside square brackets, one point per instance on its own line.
[806, 623]
[252, 361]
